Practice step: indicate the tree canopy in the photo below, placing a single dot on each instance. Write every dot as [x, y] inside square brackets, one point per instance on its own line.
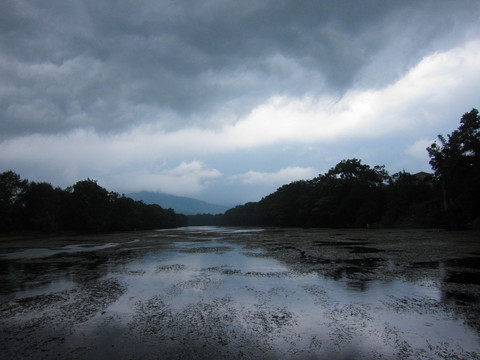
[85, 207]
[456, 163]
[351, 194]
[12, 188]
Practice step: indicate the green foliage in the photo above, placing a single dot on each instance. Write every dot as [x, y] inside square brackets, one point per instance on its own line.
[456, 162]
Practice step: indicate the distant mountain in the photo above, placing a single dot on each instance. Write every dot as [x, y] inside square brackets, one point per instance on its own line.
[181, 205]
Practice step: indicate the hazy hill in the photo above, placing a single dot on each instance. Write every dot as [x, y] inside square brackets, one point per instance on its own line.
[181, 205]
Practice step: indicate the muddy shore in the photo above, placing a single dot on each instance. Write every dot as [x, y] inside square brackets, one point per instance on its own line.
[242, 293]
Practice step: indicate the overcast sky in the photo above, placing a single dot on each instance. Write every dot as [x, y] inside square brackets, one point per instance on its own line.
[225, 101]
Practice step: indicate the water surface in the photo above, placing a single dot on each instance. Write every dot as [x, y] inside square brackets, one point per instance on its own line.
[211, 292]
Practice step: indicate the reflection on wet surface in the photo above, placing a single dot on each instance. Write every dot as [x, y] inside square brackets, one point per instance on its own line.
[241, 293]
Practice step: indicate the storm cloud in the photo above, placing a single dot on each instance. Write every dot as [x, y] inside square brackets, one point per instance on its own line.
[149, 85]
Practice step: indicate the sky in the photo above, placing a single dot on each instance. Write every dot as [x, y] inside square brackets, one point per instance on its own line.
[225, 100]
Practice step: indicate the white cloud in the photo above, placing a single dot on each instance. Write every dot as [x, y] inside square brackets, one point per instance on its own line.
[120, 162]
[439, 84]
[188, 178]
[418, 149]
[439, 89]
[282, 176]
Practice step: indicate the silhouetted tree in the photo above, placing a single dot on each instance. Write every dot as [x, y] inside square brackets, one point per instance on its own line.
[456, 162]
[350, 194]
[12, 188]
[43, 207]
[84, 207]
[411, 199]
[242, 215]
[89, 207]
[126, 213]
[289, 206]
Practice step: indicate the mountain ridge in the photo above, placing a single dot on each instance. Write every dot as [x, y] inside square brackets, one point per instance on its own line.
[181, 204]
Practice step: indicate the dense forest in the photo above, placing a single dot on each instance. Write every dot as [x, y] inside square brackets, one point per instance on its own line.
[350, 194]
[84, 207]
[353, 194]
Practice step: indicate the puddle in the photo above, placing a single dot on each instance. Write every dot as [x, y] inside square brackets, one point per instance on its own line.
[209, 292]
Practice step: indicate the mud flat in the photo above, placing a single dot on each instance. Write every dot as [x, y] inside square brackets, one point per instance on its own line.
[210, 292]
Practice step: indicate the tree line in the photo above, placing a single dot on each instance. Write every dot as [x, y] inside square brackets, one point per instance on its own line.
[84, 207]
[350, 194]
[353, 194]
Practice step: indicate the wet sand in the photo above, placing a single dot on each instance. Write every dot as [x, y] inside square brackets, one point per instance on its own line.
[242, 293]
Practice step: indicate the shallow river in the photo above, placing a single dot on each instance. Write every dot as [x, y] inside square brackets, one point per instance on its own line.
[212, 293]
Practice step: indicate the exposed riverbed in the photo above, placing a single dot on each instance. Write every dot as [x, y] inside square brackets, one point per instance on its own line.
[231, 293]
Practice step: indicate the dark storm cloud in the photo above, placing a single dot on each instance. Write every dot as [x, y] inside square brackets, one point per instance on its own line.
[108, 65]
